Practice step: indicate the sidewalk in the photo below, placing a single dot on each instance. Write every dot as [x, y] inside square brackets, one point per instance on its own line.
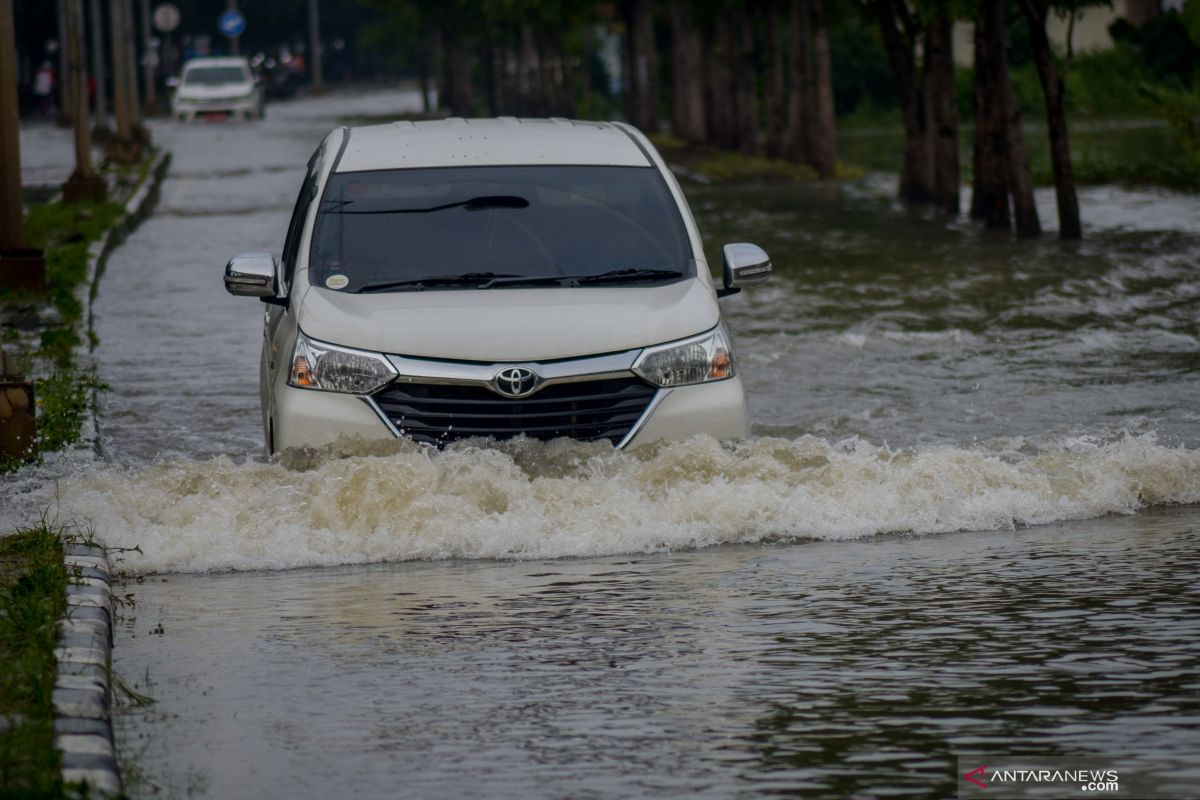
[48, 154]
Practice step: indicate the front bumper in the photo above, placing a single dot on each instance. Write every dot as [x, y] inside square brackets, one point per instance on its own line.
[303, 417]
[241, 106]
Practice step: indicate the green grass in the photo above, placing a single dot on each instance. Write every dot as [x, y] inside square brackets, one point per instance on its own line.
[32, 600]
[729, 165]
[64, 232]
[64, 398]
[51, 224]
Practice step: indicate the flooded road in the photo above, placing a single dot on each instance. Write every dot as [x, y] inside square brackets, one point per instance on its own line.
[686, 620]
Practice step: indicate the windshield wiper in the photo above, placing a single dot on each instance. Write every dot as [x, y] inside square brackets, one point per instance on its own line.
[636, 274]
[612, 276]
[474, 204]
[531, 280]
[483, 279]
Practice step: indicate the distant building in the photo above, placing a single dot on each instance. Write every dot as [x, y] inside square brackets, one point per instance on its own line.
[1091, 27]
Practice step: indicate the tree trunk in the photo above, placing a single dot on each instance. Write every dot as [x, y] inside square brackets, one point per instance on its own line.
[440, 68]
[130, 52]
[491, 77]
[992, 152]
[642, 78]
[461, 101]
[65, 101]
[687, 51]
[916, 173]
[98, 70]
[12, 215]
[774, 90]
[942, 112]
[1020, 180]
[722, 123]
[824, 142]
[123, 148]
[77, 77]
[745, 81]
[798, 137]
[1069, 226]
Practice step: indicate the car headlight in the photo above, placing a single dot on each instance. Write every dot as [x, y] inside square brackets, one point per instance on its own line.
[700, 359]
[330, 368]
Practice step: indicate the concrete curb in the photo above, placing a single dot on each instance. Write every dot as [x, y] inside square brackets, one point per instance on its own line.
[83, 691]
[137, 208]
[83, 731]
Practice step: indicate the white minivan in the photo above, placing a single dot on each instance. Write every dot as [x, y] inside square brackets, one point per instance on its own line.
[453, 279]
[217, 85]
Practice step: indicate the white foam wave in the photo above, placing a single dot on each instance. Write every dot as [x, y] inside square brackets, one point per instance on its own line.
[363, 503]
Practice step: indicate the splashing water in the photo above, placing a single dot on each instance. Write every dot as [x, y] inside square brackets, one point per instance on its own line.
[383, 501]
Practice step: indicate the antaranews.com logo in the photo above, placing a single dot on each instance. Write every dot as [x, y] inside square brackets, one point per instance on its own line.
[1087, 780]
[1001, 778]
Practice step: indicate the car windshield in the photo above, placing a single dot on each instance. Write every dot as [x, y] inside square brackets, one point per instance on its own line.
[495, 227]
[212, 76]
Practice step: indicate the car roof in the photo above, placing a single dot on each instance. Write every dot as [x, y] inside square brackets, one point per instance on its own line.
[504, 141]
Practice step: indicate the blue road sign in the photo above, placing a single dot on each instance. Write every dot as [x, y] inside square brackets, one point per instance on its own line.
[232, 24]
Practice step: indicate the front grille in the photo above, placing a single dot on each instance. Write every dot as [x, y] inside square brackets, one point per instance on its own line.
[586, 410]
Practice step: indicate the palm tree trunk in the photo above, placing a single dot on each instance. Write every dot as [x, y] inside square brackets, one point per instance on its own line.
[687, 51]
[1069, 226]
[745, 81]
[916, 173]
[775, 92]
[798, 136]
[824, 150]
[942, 109]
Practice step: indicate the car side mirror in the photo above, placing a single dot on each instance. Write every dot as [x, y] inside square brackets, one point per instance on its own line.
[253, 275]
[173, 82]
[745, 265]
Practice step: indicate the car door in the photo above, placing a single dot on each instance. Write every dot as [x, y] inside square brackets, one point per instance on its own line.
[279, 322]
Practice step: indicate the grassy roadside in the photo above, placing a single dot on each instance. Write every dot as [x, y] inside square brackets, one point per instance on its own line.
[43, 334]
[1135, 152]
[32, 600]
[713, 165]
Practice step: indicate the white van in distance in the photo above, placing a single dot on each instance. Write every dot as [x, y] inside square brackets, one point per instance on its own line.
[218, 85]
[453, 279]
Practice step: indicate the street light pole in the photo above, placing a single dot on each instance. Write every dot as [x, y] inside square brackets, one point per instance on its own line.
[314, 48]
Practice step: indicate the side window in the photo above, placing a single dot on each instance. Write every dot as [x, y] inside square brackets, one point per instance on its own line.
[291, 245]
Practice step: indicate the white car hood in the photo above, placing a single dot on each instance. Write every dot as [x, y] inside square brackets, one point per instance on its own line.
[509, 325]
[220, 91]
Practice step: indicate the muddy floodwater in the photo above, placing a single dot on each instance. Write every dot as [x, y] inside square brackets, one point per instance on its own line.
[966, 524]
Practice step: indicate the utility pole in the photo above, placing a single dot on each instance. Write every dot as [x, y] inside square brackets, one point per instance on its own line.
[84, 183]
[122, 148]
[100, 131]
[314, 48]
[149, 61]
[19, 268]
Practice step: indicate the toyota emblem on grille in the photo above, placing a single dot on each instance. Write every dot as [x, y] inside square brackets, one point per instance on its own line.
[516, 382]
